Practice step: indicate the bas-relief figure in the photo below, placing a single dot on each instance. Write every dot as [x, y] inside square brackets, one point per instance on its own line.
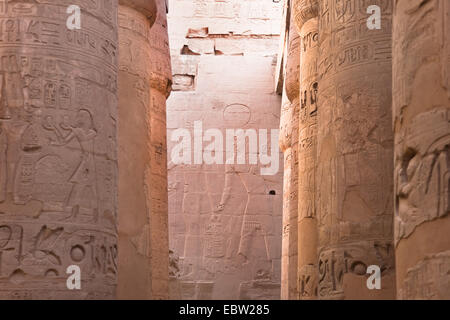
[228, 236]
[57, 150]
[225, 220]
[354, 174]
[309, 87]
[421, 104]
[58, 158]
[289, 145]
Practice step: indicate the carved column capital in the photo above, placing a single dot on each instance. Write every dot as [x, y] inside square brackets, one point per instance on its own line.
[146, 7]
[304, 10]
[145, 44]
[293, 65]
[161, 73]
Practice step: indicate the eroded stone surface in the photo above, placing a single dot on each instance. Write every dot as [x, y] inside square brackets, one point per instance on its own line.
[144, 84]
[224, 220]
[421, 96]
[355, 148]
[428, 280]
[307, 215]
[289, 146]
[58, 115]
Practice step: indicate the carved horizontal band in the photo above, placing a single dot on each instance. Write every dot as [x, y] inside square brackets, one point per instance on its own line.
[304, 10]
[146, 7]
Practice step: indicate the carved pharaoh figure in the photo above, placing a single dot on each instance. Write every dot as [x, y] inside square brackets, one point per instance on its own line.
[354, 180]
[50, 164]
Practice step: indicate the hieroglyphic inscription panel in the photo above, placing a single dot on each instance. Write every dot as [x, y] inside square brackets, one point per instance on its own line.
[289, 145]
[355, 140]
[421, 111]
[57, 149]
[307, 222]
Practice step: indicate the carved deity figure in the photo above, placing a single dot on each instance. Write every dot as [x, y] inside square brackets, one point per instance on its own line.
[84, 190]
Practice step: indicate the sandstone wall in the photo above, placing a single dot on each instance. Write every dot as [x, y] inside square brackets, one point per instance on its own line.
[421, 98]
[58, 120]
[144, 84]
[224, 220]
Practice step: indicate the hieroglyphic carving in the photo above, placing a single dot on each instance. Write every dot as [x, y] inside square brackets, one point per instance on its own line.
[56, 207]
[304, 10]
[422, 138]
[422, 146]
[423, 171]
[335, 264]
[428, 280]
[225, 220]
[354, 174]
[307, 119]
[307, 282]
[307, 131]
[289, 145]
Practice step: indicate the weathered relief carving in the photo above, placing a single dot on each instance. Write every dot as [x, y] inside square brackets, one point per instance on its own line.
[304, 10]
[307, 281]
[225, 219]
[428, 280]
[421, 97]
[422, 136]
[423, 174]
[57, 150]
[354, 174]
[306, 21]
[289, 145]
[340, 266]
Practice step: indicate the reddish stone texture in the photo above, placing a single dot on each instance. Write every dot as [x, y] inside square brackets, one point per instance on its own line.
[224, 220]
[364, 128]
[144, 85]
[289, 146]
[58, 115]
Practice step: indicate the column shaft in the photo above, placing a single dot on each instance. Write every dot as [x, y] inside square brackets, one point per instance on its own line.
[421, 97]
[354, 151]
[144, 82]
[58, 113]
[306, 17]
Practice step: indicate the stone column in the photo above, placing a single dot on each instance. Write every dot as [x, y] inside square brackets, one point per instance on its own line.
[354, 151]
[286, 246]
[421, 111]
[58, 113]
[144, 85]
[289, 145]
[307, 25]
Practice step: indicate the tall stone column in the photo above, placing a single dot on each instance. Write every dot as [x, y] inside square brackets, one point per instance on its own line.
[58, 113]
[289, 146]
[287, 245]
[144, 85]
[307, 25]
[354, 151]
[421, 91]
